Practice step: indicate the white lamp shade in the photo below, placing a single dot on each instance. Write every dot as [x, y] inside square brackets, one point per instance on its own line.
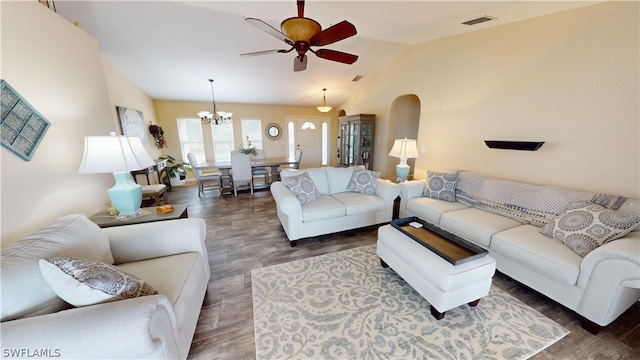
[404, 148]
[106, 154]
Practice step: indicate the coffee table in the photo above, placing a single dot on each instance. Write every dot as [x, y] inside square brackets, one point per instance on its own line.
[434, 276]
[104, 220]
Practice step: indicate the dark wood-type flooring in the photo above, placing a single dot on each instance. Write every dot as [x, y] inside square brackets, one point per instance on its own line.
[243, 233]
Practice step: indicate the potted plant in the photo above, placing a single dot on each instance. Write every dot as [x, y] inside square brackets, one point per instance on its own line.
[176, 170]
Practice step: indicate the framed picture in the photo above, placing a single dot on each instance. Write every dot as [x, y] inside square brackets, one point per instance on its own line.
[132, 123]
[22, 127]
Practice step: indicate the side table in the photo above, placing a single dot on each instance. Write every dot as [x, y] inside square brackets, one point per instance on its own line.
[104, 220]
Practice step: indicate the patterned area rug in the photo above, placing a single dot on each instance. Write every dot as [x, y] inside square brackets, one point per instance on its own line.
[346, 306]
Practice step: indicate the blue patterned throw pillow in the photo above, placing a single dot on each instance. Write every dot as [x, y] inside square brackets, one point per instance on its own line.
[584, 226]
[441, 186]
[363, 181]
[302, 187]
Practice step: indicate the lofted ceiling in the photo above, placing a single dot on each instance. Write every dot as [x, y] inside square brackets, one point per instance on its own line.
[171, 48]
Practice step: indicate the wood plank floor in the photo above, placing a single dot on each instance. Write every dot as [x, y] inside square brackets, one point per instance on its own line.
[243, 233]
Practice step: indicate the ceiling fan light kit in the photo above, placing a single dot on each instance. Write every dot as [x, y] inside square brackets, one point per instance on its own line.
[324, 108]
[217, 117]
[302, 33]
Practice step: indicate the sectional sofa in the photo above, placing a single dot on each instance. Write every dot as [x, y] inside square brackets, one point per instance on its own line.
[556, 241]
[317, 201]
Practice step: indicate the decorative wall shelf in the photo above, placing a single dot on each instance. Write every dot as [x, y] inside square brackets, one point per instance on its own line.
[514, 145]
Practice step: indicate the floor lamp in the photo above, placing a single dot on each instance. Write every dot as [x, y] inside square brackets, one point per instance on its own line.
[403, 149]
[119, 155]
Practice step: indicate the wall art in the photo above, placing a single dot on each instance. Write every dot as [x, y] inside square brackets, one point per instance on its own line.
[132, 123]
[22, 126]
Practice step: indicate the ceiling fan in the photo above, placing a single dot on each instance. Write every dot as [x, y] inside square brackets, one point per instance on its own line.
[302, 33]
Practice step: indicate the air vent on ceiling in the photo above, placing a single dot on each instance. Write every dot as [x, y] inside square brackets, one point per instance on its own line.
[357, 78]
[478, 20]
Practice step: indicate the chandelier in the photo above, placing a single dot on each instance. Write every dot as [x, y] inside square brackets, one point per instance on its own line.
[217, 117]
[324, 108]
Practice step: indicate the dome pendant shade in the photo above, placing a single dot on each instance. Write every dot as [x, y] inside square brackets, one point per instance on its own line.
[324, 108]
[300, 28]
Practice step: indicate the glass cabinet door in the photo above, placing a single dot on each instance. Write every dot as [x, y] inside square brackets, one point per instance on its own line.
[355, 145]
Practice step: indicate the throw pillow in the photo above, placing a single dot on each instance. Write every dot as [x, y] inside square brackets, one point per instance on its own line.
[584, 226]
[363, 181]
[441, 185]
[302, 187]
[82, 282]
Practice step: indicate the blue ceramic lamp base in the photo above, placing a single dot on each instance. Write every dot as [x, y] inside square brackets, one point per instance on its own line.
[402, 170]
[125, 195]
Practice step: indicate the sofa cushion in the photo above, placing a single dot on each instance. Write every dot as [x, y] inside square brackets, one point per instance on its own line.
[363, 181]
[584, 226]
[357, 203]
[71, 235]
[326, 207]
[525, 245]
[302, 187]
[82, 282]
[178, 277]
[476, 225]
[431, 209]
[317, 175]
[441, 186]
[339, 178]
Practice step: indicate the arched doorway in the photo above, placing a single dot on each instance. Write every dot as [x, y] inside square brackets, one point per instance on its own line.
[404, 122]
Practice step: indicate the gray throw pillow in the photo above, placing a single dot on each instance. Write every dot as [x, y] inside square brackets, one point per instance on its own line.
[302, 187]
[441, 186]
[363, 181]
[584, 226]
[82, 282]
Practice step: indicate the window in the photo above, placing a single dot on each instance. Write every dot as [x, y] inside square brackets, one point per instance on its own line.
[253, 129]
[325, 142]
[291, 145]
[191, 141]
[222, 136]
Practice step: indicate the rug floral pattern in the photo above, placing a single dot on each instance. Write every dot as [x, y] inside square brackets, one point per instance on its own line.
[344, 305]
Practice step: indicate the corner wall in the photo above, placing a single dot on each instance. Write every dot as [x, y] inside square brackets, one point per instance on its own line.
[570, 79]
[58, 69]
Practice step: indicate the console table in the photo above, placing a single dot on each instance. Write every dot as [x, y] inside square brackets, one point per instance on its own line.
[160, 168]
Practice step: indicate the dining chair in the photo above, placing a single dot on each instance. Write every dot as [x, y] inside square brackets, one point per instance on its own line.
[261, 171]
[298, 157]
[206, 181]
[241, 172]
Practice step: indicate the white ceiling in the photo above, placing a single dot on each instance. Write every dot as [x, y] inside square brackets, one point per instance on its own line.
[171, 48]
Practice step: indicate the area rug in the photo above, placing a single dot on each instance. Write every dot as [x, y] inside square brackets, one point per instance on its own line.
[344, 305]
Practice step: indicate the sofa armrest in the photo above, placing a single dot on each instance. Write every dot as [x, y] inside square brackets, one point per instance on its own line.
[410, 189]
[607, 275]
[162, 238]
[140, 328]
[288, 208]
[388, 191]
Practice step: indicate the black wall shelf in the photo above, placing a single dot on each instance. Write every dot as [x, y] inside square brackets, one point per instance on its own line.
[514, 145]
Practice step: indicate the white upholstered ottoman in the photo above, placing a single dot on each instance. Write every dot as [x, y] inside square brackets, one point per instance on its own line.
[444, 285]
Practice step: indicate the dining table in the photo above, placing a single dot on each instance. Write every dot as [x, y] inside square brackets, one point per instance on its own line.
[225, 166]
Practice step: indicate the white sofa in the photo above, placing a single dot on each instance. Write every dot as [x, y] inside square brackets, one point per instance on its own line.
[171, 256]
[599, 286]
[337, 209]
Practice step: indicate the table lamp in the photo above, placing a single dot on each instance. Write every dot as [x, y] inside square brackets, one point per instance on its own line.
[119, 155]
[403, 149]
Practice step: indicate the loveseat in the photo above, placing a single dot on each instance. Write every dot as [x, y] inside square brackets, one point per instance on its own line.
[331, 199]
[538, 236]
[170, 257]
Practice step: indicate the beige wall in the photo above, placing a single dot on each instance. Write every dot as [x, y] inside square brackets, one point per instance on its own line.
[570, 79]
[58, 69]
[169, 111]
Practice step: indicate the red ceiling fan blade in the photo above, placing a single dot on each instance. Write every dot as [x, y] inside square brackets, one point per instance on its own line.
[269, 30]
[298, 64]
[337, 32]
[265, 52]
[338, 56]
